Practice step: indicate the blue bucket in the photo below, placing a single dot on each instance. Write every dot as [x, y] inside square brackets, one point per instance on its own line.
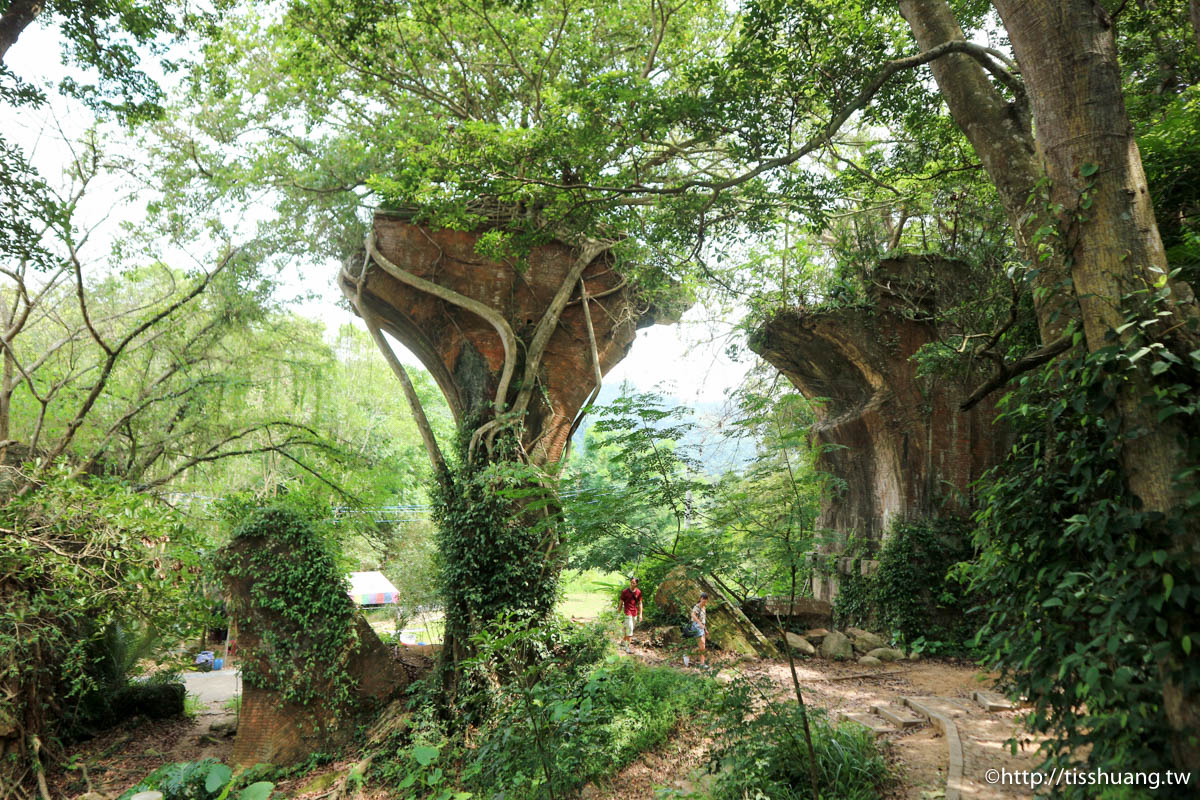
[218, 663]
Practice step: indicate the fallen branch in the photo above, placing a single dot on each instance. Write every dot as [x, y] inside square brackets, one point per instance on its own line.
[862, 675]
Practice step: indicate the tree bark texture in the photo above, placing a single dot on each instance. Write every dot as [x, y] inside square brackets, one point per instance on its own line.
[15, 19]
[1194, 15]
[1000, 133]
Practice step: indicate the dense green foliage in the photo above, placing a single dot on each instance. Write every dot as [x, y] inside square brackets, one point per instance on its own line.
[1092, 596]
[916, 593]
[745, 529]
[207, 779]
[1171, 154]
[633, 459]
[494, 546]
[565, 715]
[148, 357]
[761, 752]
[83, 563]
[564, 720]
[297, 601]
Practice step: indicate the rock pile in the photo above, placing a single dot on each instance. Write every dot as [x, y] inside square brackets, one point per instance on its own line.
[871, 648]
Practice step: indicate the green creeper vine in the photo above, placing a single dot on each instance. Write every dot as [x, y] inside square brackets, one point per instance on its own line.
[1095, 606]
[853, 604]
[297, 607]
[496, 540]
[913, 594]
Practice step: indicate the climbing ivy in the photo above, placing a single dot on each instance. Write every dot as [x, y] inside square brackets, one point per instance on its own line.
[853, 604]
[293, 580]
[1095, 601]
[496, 538]
[914, 588]
[914, 594]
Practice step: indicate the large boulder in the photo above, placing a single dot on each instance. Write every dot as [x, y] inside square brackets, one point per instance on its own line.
[728, 627]
[816, 635]
[836, 647]
[667, 635]
[800, 644]
[865, 641]
[887, 654]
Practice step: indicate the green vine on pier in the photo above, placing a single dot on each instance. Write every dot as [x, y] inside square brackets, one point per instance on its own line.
[295, 582]
[497, 540]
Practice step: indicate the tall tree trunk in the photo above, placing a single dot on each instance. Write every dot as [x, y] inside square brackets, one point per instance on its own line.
[999, 131]
[6, 392]
[1068, 58]
[1069, 61]
[15, 19]
[1069, 64]
[1194, 14]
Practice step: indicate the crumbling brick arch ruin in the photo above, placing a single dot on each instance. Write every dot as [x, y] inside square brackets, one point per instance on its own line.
[522, 345]
[897, 440]
[480, 339]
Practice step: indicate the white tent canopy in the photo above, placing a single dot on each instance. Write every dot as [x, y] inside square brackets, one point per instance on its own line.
[372, 589]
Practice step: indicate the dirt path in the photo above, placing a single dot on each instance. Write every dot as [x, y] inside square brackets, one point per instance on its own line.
[920, 756]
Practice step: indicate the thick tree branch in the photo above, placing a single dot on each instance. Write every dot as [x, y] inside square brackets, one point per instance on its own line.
[1007, 373]
[114, 354]
[16, 18]
[992, 60]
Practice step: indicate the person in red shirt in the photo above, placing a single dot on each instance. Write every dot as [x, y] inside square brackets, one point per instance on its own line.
[631, 604]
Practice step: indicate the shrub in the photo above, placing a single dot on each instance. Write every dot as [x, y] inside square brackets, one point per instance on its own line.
[208, 779]
[561, 715]
[763, 754]
[563, 733]
[913, 590]
[79, 558]
[915, 594]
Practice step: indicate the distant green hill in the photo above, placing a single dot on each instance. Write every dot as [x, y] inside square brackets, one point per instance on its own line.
[717, 451]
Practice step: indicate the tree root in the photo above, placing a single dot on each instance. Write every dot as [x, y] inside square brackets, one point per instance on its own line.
[38, 769]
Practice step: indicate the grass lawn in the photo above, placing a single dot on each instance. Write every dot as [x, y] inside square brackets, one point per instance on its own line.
[588, 594]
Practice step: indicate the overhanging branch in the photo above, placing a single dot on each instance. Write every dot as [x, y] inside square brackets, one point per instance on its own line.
[1007, 373]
